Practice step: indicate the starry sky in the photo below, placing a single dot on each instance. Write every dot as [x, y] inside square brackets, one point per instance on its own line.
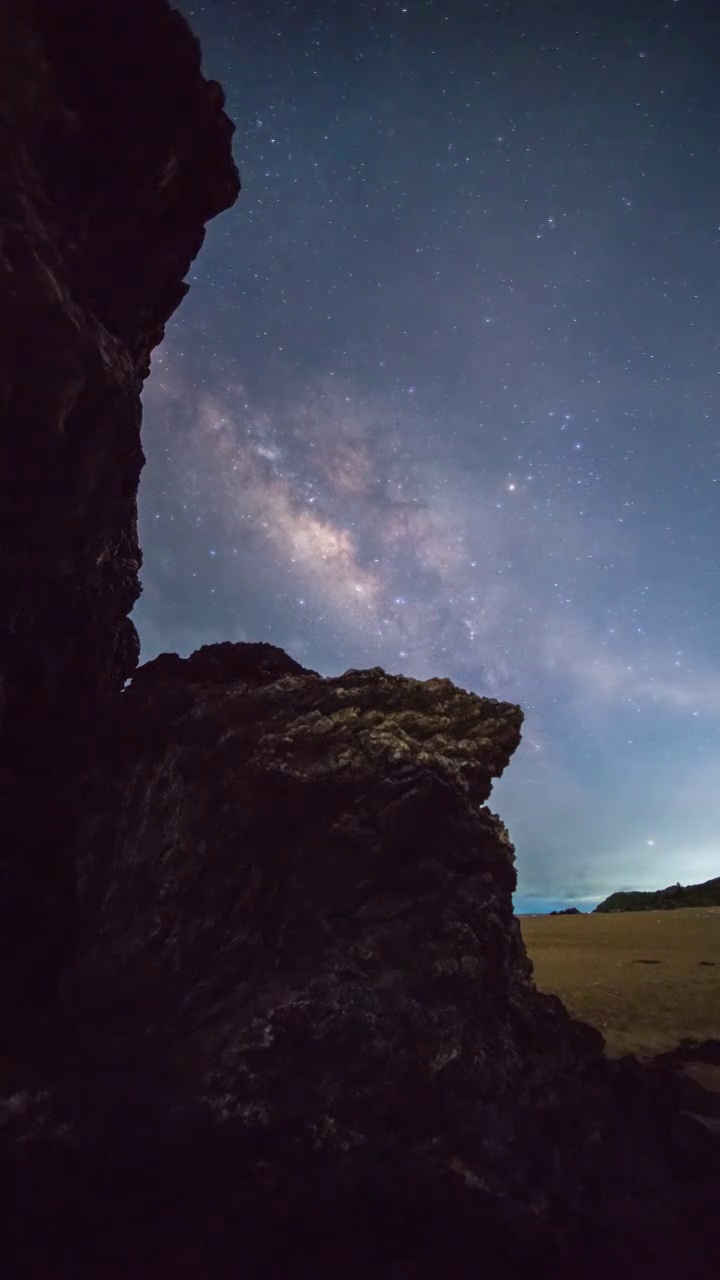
[444, 396]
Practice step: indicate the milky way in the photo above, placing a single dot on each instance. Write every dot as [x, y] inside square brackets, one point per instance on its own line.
[444, 397]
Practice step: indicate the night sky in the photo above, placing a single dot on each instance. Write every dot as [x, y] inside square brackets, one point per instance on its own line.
[445, 395]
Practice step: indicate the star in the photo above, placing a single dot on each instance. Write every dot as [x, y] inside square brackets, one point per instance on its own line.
[458, 305]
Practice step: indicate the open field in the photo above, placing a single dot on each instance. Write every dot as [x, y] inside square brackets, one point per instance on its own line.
[647, 979]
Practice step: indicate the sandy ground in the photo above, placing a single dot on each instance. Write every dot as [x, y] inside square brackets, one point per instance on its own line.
[647, 979]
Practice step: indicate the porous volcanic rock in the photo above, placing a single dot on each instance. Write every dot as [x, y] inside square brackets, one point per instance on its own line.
[299, 1007]
[282, 872]
[114, 152]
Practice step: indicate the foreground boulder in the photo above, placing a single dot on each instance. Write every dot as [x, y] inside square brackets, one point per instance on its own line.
[299, 1008]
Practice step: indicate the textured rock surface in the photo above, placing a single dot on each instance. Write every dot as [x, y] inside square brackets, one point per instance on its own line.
[299, 1006]
[282, 871]
[114, 152]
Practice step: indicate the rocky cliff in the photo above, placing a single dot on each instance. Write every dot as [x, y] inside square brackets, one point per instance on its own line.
[273, 1014]
[297, 1019]
[114, 152]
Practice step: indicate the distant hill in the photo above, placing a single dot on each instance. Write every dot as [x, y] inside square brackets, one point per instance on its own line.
[677, 895]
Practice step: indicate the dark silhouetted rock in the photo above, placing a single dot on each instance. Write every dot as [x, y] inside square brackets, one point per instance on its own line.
[567, 911]
[114, 152]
